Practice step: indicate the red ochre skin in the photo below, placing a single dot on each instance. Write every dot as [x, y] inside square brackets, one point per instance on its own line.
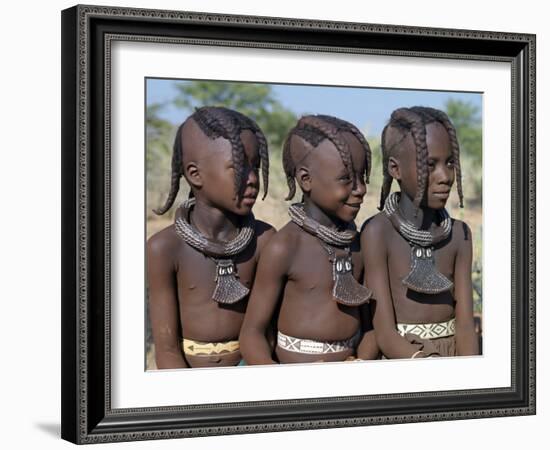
[181, 279]
[386, 254]
[294, 283]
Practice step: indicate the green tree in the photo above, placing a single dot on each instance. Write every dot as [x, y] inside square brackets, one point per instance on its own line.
[467, 121]
[159, 136]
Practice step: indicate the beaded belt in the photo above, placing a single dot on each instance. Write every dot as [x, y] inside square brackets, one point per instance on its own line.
[428, 330]
[298, 345]
[191, 347]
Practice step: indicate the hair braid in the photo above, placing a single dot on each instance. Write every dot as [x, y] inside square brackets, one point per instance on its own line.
[331, 132]
[313, 129]
[232, 132]
[223, 122]
[414, 120]
[442, 118]
[246, 123]
[387, 178]
[418, 132]
[347, 126]
[177, 172]
[289, 167]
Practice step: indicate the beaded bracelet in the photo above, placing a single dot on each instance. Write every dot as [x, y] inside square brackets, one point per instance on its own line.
[415, 354]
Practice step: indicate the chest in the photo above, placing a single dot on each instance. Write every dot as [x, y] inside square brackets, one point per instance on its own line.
[313, 264]
[197, 272]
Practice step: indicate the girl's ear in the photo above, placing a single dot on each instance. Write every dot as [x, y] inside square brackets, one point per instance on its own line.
[393, 168]
[192, 174]
[303, 177]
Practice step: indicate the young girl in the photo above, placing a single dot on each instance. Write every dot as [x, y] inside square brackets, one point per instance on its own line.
[200, 269]
[307, 275]
[417, 259]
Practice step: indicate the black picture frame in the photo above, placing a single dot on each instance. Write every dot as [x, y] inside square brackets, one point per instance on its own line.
[87, 415]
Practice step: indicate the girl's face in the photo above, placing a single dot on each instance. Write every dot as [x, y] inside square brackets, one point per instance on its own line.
[331, 185]
[441, 174]
[217, 173]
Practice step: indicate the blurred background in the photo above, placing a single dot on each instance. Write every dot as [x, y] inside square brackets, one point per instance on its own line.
[276, 108]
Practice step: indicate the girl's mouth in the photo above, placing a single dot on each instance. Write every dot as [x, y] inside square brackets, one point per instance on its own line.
[353, 205]
[248, 201]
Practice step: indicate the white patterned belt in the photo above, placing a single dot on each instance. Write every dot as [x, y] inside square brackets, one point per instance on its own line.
[428, 330]
[298, 345]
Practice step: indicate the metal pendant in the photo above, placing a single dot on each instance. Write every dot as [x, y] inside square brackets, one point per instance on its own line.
[228, 289]
[347, 290]
[424, 276]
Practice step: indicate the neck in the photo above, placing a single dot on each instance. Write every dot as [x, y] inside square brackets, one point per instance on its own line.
[314, 212]
[214, 223]
[424, 216]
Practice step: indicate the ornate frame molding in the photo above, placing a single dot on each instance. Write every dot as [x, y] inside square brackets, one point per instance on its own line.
[86, 224]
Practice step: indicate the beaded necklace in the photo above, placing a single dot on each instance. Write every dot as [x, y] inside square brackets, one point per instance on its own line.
[423, 276]
[346, 290]
[228, 289]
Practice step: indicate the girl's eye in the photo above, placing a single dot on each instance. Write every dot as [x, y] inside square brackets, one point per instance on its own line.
[451, 163]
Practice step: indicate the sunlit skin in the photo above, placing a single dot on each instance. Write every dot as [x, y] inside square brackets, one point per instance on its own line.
[294, 283]
[386, 254]
[181, 279]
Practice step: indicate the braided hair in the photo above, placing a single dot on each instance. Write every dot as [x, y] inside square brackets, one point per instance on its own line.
[313, 129]
[227, 123]
[414, 120]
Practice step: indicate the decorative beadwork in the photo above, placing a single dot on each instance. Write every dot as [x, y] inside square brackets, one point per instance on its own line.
[333, 237]
[409, 231]
[212, 248]
[312, 347]
[228, 288]
[428, 330]
[423, 276]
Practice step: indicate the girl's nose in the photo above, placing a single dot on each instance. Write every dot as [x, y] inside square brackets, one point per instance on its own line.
[360, 187]
[252, 175]
[445, 175]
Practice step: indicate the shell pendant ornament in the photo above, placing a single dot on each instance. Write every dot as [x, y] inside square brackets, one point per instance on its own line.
[347, 290]
[228, 288]
[424, 276]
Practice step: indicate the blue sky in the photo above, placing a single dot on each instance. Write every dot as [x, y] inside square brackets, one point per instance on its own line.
[367, 108]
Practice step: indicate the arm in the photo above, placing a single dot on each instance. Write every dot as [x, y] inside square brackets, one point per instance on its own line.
[367, 348]
[163, 304]
[466, 338]
[267, 288]
[375, 259]
[265, 232]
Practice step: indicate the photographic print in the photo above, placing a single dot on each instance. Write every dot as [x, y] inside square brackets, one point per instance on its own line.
[207, 328]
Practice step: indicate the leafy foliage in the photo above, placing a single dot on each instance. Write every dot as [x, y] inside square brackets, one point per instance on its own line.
[467, 121]
[159, 135]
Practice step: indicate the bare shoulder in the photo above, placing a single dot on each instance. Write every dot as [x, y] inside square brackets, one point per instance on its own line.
[264, 231]
[376, 226]
[461, 231]
[163, 243]
[283, 243]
